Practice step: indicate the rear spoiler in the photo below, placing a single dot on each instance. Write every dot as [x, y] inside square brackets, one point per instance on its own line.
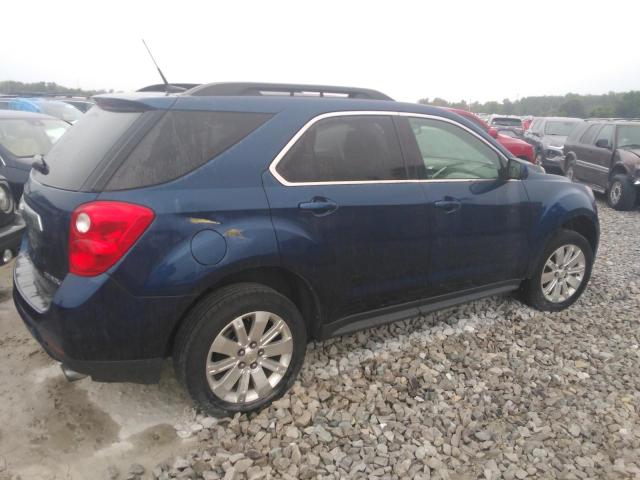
[122, 104]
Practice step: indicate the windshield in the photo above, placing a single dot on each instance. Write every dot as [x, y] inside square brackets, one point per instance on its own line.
[26, 137]
[61, 110]
[629, 136]
[507, 122]
[561, 128]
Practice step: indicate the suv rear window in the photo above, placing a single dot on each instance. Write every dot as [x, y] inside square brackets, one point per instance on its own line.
[181, 142]
[507, 122]
[79, 151]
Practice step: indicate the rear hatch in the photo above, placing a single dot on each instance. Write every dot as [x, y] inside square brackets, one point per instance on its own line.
[77, 167]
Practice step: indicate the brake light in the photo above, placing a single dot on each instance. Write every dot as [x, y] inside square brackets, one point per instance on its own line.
[102, 232]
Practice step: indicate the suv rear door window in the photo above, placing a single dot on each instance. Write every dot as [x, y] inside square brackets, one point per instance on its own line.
[450, 152]
[590, 135]
[345, 149]
[181, 142]
[605, 134]
[79, 151]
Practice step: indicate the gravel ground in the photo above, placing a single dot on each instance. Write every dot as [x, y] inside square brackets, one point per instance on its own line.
[490, 389]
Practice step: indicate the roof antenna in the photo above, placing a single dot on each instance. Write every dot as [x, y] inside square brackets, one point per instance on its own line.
[166, 84]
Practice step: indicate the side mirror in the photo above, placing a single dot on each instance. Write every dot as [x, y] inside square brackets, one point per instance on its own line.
[493, 132]
[515, 170]
[602, 143]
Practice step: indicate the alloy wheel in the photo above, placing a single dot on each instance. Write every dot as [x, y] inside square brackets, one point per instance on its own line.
[563, 273]
[249, 357]
[615, 193]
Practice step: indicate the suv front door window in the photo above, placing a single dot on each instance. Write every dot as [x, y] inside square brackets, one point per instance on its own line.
[448, 152]
[478, 220]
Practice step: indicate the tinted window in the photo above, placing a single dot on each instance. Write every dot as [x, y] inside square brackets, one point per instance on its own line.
[606, 134]
[450, 152]
[577, 132]
[348, 148]
[181, 142]
[560, 127]
[590, 135]
[74, 157]
[507, 122]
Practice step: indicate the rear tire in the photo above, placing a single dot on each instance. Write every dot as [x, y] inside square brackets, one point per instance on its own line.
[538, 291]
[218, 335]
[621, 194]
[568, 170]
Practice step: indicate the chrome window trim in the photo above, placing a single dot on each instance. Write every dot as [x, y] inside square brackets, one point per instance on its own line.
[314, 120]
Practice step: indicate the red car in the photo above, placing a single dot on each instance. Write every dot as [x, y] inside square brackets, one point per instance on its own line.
[519, 148]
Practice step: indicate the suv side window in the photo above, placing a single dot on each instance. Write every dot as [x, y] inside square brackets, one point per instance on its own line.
[606, 134]
[345, 149]
[589, 136]
[180, 142]
[449, 152]
[535, 126]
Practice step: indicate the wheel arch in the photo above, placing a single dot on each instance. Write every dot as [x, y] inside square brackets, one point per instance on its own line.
[618, 169]
[285, 282]
[585, 226]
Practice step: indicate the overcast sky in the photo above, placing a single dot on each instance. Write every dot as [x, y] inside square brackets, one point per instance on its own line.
[477, 50]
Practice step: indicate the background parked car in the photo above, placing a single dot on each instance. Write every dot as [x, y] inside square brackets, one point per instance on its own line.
[605, 155]
[55, 108]
[547, 135]
[507, 138]
[512, 122]
[11, 224]
[23, 135]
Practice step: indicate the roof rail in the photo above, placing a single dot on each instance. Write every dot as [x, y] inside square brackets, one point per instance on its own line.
[267, 89]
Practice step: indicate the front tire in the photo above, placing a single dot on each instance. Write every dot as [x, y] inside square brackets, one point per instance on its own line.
[240, 349]
[562, 273]
[621, 194]
[539, 159]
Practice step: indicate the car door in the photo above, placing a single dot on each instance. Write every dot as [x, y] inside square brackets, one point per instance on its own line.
[600, 156]
[479, 221]
[583, 170]
[346, 218]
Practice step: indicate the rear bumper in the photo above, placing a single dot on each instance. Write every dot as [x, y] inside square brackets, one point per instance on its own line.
[135, 371]
[10, 236]
[95, 327]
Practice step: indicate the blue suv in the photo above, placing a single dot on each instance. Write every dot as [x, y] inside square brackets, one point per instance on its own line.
[227, 226]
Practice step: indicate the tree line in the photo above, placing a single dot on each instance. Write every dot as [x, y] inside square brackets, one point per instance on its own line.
[623, 105]
[10, 86]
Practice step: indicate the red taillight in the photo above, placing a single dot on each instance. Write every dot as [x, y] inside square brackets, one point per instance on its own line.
[102, 232]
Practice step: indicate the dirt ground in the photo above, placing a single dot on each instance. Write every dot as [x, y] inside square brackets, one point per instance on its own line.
[53, 429]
